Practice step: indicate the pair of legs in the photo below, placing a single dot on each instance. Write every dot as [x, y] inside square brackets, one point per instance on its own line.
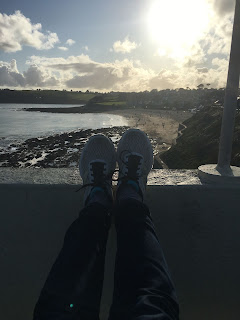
[142, 285]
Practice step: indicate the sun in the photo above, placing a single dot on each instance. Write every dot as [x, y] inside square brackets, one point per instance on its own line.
[177, 25]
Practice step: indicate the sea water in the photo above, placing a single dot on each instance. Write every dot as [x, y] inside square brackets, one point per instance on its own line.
[17, 125]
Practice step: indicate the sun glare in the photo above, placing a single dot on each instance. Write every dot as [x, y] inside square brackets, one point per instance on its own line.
[176, 25]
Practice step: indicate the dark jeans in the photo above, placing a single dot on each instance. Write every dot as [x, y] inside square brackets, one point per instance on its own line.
[142, 286]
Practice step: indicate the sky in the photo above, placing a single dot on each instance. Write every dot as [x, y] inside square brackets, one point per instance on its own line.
[109, 45]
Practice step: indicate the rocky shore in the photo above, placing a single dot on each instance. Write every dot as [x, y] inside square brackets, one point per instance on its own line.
[56, 151]
[63, 150]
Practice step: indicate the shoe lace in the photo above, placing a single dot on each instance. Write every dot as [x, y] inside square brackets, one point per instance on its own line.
[133, 166]
[133, 173]
[98, 177]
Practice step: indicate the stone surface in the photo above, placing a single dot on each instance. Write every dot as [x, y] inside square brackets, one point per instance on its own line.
[71, 176]
[210, 174]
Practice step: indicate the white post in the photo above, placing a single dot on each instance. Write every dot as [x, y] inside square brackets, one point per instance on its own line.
[223, 172]
[230, 102]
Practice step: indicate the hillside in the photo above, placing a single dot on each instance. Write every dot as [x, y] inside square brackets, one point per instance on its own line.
[44, 96]
[176, 99]
[199, 142]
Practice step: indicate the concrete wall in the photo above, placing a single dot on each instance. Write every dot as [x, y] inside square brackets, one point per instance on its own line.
[199, 228]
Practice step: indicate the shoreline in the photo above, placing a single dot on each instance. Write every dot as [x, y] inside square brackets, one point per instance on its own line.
[63, 150]
[161, 124]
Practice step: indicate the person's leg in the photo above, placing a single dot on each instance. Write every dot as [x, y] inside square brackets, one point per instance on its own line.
[74, 286]
[143, 288]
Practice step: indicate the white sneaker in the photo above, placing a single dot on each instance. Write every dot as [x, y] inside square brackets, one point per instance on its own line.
[96, 165]
[135, 160]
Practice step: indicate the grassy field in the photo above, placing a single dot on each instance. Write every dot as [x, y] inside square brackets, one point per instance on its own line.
[112, 103]
[45, 96]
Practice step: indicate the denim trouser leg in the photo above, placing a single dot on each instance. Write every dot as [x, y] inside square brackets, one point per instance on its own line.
[74, 285]
[142, 286]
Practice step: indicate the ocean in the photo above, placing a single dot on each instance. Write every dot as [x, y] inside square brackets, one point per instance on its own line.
[17, 125]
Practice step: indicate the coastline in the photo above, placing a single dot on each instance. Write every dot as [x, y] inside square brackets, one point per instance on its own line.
[160, 124]
[63, 150]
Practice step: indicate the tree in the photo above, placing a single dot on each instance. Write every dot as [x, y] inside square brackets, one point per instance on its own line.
[200, 86]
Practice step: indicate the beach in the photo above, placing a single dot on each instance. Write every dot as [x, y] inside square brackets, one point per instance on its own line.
[161, 125]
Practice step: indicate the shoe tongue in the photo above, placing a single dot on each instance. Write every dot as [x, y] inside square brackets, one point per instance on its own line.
[134, 162]
[134, 158]
[98, 169]
[97, 165]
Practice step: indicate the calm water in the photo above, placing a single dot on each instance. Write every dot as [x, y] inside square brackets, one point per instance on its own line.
[17, 125]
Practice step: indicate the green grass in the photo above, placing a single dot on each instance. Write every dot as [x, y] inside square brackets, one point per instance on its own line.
[80, 96]
[45, 96]
[110, 103]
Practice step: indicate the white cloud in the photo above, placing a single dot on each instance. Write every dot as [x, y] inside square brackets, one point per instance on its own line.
[214, 40]
[86, 48]
[223, 7]
[202, 70]
[81, 72]
[218, 38]
[70, 42]
[191, 77]
[63, 48]
[222, 63]
[9, 75]
[34, 76]
[17, 31]
[125, 46]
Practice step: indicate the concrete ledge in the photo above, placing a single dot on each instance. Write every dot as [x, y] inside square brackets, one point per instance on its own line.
[70, 176]
[198, 226]
[211, 174]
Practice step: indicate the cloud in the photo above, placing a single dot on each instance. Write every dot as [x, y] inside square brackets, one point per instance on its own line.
[223, 7]
[86, 48]
[81, 73]
[215, 39]
[164, 79]
[195, 57]
[70, 42]
[125, 46]
[218, 40]
[38, 77]
[63, 48]
[72, 65]
[202, 70]
[34, 76]
[9, 75]
[219, 35]
[17, 31]
[216, 75]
